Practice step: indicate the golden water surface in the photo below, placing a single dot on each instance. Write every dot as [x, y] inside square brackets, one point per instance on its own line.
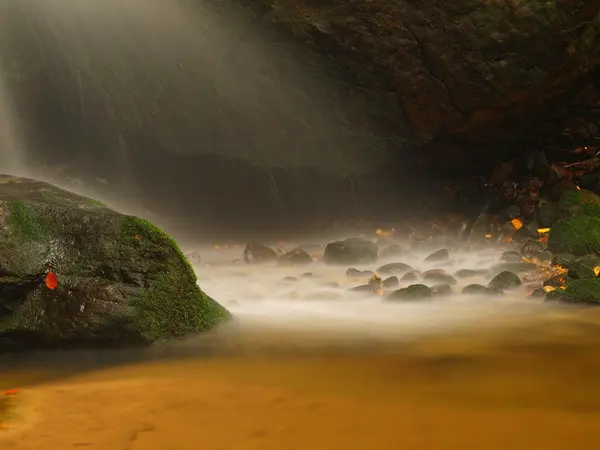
[527, 385]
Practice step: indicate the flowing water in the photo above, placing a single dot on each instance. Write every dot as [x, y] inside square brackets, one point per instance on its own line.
[305, 363]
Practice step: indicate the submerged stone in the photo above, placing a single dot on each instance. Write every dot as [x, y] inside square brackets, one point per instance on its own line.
[120, 279]
[412, 292]
[350, 251]
[505, 280]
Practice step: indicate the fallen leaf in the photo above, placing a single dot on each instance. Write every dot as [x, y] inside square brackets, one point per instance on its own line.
[51, 281]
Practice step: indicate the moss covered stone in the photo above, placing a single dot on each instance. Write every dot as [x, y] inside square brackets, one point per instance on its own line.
[505, 280]
[581, 291]
[577, 235]
[579, 202]
[121, 280]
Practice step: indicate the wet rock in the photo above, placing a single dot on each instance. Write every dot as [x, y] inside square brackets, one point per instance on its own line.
[511, 256]
[289, 279]
[585, 291]
[412, 292]
[433, 272]
[576, 203]
[308, 275]
[505, 280]
[255, 252]
[548, 214]
[467, 273]
[474, 289]
[410, 276]
[545, 256]
[365, 288]
[532, 247]
[441, 290]
[563, 259]
[578, 235]
[538, 293]
[393, 268]
[355, 273]
[578, 270]
[296, 257]
[440, 255]
[391, 251]
[440, 278]
[121, 281]
[391, 282]
[591, 260]
[350, 251]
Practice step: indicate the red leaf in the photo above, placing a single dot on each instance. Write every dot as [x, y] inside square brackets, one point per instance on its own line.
[51, 280]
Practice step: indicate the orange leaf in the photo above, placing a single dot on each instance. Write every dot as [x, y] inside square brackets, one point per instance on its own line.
[51, 280]
[11, 392]
[138, 237]
[517, 224]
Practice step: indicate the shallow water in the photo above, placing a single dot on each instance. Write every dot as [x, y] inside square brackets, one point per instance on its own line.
[458, 372]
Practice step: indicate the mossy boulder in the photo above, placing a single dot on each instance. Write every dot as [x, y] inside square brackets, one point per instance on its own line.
[350, 251]
[579, 202]
[578, 235]
[505, 280]
[585, 291]
[121, 280]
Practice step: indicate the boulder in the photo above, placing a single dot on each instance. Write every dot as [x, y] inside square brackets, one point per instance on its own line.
[350, 251]
[412, 292]
[578, 235]
[505, 280]
[74, 272]
[579, 202]
[438, 256]
[393, 268]
[296, 257]
[255, 252]
[585, 291]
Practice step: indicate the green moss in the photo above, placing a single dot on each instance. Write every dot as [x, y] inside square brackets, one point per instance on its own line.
[173, 304]
[170, 306]
[25, 220]
[582, 291]
[577, 235]
[580, 203]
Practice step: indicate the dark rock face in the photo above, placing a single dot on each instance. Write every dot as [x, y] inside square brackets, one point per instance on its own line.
[466, 71]
[350, 251]
[121, 281]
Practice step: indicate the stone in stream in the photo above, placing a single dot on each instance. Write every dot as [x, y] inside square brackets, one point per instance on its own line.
[538, 293]
[579, 203]
[505, 280]
[393, 268]
[255, 252]
[468, 273]
[365, 288]
[578, 291]
[74, 272]
[439, 278]
[391, 282]
[410, 276]
[350, 251]
[511, 256]
[289, 279]
[412, 292]
[438, 256]
[563, 259]
[532, 247]
[579, 235]
[478, 289]
[296, 257]
[308, 275]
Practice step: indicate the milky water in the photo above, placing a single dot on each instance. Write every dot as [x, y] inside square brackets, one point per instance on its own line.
[261, 298]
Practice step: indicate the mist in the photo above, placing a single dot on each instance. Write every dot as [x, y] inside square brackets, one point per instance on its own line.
[193, 110]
